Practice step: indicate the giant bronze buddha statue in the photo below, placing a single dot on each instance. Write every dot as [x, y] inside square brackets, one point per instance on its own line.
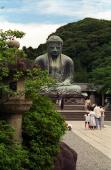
[58, 65]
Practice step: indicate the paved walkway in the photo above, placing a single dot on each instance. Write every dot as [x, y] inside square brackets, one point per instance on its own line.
[93, 146]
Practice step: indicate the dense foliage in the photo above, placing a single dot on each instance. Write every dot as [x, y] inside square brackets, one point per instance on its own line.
[42, 130]
[42, 125]
[101, 76]
[12, 155]
[88, 43]
[10, 61]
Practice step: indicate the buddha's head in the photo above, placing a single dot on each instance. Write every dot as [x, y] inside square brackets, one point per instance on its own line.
[54, 46]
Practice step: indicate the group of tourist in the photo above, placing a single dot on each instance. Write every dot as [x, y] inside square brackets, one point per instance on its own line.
[94, 117]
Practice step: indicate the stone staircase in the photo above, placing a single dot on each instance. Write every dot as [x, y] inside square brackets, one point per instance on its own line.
[72, 112]
[108, 115]
[76, 112]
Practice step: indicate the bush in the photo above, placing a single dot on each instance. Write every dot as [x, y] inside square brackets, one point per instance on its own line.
[42, 130]
[12, 155]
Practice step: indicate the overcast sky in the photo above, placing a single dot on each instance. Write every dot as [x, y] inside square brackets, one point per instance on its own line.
[39, 18]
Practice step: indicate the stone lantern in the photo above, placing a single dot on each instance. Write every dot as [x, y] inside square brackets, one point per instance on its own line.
[12, 108]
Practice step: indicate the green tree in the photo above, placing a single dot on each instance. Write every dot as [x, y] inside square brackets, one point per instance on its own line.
[102, 78]
[42, 131]
[10, 58]
[12, 155]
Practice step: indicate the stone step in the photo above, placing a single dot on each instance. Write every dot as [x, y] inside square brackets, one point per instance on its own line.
[79, 114]
[72, 107]
[66, 103]
[108, 115]
[72, 114]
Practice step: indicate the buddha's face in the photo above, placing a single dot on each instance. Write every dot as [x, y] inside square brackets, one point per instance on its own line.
[54, 49]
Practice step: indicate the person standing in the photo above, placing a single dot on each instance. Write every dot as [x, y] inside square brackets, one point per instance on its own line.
[62, 102]
[57, 98]
[87, 104]
[102, 109]
[87, 120]
[92, 118]
[98, 116]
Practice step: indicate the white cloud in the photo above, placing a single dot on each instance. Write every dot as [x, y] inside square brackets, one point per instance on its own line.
[57, 10]
[35, 33]
[60, 8]
[103, 15]
[97, 9]
[75, 8]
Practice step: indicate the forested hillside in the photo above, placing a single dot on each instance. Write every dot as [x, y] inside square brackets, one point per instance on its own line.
[87, 42]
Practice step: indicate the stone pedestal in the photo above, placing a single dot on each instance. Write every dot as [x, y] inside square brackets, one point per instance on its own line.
[16, 121]
[12, 111]
[75, 99]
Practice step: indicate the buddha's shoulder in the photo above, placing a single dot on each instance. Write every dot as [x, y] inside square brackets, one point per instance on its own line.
[41, 57]
[67, 58]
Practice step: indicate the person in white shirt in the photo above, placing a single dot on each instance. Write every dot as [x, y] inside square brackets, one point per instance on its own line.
[98, 116]
[87, 120]
[92, 118]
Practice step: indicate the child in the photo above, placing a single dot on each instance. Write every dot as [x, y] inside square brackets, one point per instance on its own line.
[87, 120]
[92, 118]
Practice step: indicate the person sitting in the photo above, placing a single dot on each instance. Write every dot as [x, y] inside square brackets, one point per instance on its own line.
[58, 65]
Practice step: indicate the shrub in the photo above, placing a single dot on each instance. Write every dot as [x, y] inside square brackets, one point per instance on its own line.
[12, 155]
[42, 130]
